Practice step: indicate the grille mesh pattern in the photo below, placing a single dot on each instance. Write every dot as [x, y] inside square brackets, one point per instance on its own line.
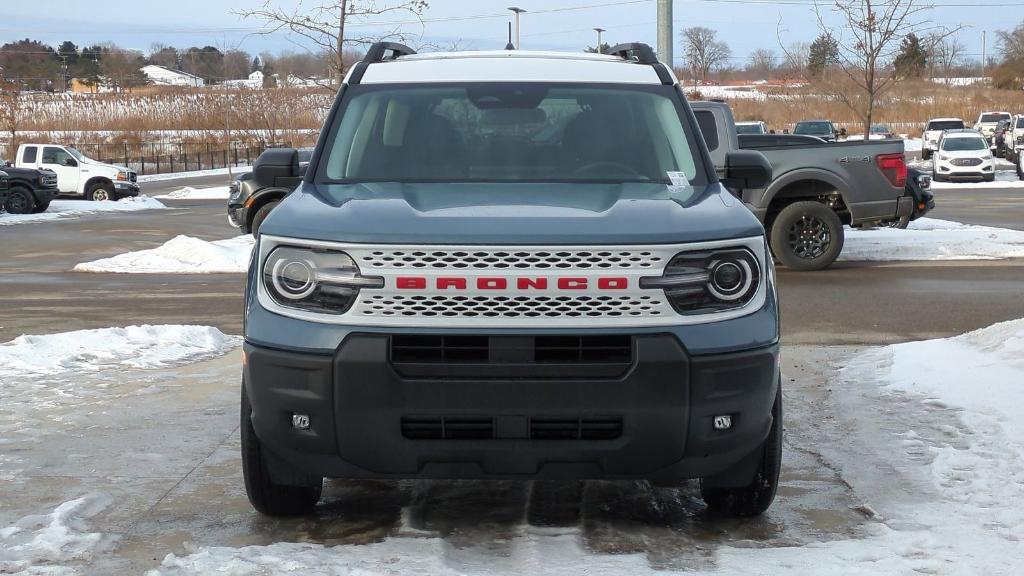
[512, 306]
[966, 161]
[512, 259]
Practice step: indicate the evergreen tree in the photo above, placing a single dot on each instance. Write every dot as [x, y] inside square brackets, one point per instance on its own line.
[824, 52]
[912, 59]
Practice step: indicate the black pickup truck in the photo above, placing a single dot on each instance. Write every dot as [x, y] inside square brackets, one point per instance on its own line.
[28, 190]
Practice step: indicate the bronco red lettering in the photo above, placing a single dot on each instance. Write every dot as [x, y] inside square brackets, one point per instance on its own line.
[491, 283]
[410, 283]
[612, 283]
[535, 283]
[457, 283]
[572, 283]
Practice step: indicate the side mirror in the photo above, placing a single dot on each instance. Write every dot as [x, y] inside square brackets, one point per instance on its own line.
[70, 162]
[746, 169]
[277, 167]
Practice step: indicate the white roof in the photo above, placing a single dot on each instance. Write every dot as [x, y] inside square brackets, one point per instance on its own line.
[509, 66]
[946, 120]
[967, 134]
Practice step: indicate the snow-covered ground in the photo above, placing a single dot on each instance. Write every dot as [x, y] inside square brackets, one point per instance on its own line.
[74, 208]
[190, 193]
[933, 239]
[41, 544]
[144, 347]
[180, 255]
[194, 174]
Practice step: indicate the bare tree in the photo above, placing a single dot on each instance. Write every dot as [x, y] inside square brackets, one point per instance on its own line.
[944, 51]
[122, 67]
[795, 58]
[869, 40]
[326, 25]
[10, 110]
[703, 50]
[762, 62]
[1011, 43]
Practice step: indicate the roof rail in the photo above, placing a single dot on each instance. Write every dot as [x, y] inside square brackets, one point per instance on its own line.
[635, 51]
[379, 50]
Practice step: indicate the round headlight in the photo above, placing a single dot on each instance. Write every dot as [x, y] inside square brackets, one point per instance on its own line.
[294, 279]
[730, 280]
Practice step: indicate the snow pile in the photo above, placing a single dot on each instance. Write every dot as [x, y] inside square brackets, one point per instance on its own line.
[190, 193]
[180, 255]
[73, 208]
[194, 174]
[144, 347]
[933, 239]
[39, 544]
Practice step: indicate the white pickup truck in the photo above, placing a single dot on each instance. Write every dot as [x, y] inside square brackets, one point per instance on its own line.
[78, 174]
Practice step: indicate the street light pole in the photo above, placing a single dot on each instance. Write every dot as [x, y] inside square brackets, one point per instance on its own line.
[517, 11]
[599, 45]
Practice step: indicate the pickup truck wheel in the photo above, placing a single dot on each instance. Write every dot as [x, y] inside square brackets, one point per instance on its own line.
[41, 207]
[265, 495]
[756, 497]
[20, 201]
[926, 154]
[100, 192]
[807, 236]
[260, 216]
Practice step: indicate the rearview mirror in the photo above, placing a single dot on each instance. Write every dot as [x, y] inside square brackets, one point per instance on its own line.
[746, 169]
[277, 167]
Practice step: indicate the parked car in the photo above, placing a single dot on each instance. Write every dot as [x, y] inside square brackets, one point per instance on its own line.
[823, 129]
[881, 131]
[1015, 139]
[30, 190]
[999, 137]
[251, 199]
[987, 122]
[933, 131]
[77, 174]
[511, 267]
[755, 127]
[963, 155]
[816, 187]
[918, 188]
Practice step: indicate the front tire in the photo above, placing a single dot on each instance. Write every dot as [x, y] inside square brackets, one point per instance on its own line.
[265, 495]
[807, 235]
[926, 154]
[754, 498]
[41, 207]
[20, 201]
[99, 192]
[260, 216]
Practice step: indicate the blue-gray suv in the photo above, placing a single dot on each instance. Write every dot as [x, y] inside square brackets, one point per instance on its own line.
[512, 265]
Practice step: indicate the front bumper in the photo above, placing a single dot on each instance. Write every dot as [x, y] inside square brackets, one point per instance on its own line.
[949, 171]
[368, 412]
[126, 189]
[237, 215]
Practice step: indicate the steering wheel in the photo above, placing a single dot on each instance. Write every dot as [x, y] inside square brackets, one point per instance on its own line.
[620, 167]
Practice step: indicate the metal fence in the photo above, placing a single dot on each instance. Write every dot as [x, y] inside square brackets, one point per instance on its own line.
[167, 157]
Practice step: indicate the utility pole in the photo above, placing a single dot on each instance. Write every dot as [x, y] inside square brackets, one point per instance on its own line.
[517, 11]
[665, 32]
[984, 56]
[599, 45]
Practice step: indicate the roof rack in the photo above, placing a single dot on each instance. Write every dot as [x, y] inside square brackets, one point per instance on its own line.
[378, 51]
[635, 51]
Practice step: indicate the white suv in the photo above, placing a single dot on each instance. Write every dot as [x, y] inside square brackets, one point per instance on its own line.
[963, 154]
[1015, 138]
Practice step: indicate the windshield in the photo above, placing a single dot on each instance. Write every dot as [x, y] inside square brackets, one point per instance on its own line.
[964, 144]
[993, 117]
[946, 125]
[879, 129]
[1020, 122]
[813, 128]
[78, 155]
[510, 133]
[752, 128]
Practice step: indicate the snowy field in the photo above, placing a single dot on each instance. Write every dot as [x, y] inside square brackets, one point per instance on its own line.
[933, 239]
[60, 209]
[194, 174]
[926, 435]
[190, 193]
[180, 255]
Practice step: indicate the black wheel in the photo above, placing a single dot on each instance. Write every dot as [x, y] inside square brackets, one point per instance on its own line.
[756, 497]
[926, 154]
[20, 201]
[41, 207]
[807, 235]
[100, 192]
[989, 177]
[265, 495]
[260, 216]
[1020, 166]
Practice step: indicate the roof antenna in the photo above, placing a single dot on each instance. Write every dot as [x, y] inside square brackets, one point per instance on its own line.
[510, 45]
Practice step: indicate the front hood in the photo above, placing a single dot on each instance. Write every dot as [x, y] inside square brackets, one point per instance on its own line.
[524, 214]
[111, 167]
[980, 154]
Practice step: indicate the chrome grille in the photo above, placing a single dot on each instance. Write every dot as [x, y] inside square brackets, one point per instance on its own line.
[512, 259]
[966, 161]
[403, 306]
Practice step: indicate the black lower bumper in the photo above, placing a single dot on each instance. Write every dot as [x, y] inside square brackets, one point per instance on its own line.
[237, 215]
[371, 416]
[126, 189]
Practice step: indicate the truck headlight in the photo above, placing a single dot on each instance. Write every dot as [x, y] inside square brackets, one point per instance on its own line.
[708, 280]
[313, 279]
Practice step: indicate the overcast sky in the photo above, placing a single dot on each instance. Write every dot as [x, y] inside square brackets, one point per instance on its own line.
[745, 25]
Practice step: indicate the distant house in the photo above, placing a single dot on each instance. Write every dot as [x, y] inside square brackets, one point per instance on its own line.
[164, 76]
[254, 81]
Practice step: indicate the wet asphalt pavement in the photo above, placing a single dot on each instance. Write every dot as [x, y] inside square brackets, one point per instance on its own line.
[158, 449]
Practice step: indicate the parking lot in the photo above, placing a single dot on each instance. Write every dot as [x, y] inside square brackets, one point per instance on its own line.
[154, 453]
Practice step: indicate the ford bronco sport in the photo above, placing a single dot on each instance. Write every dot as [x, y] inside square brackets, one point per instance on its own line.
[512, 265]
